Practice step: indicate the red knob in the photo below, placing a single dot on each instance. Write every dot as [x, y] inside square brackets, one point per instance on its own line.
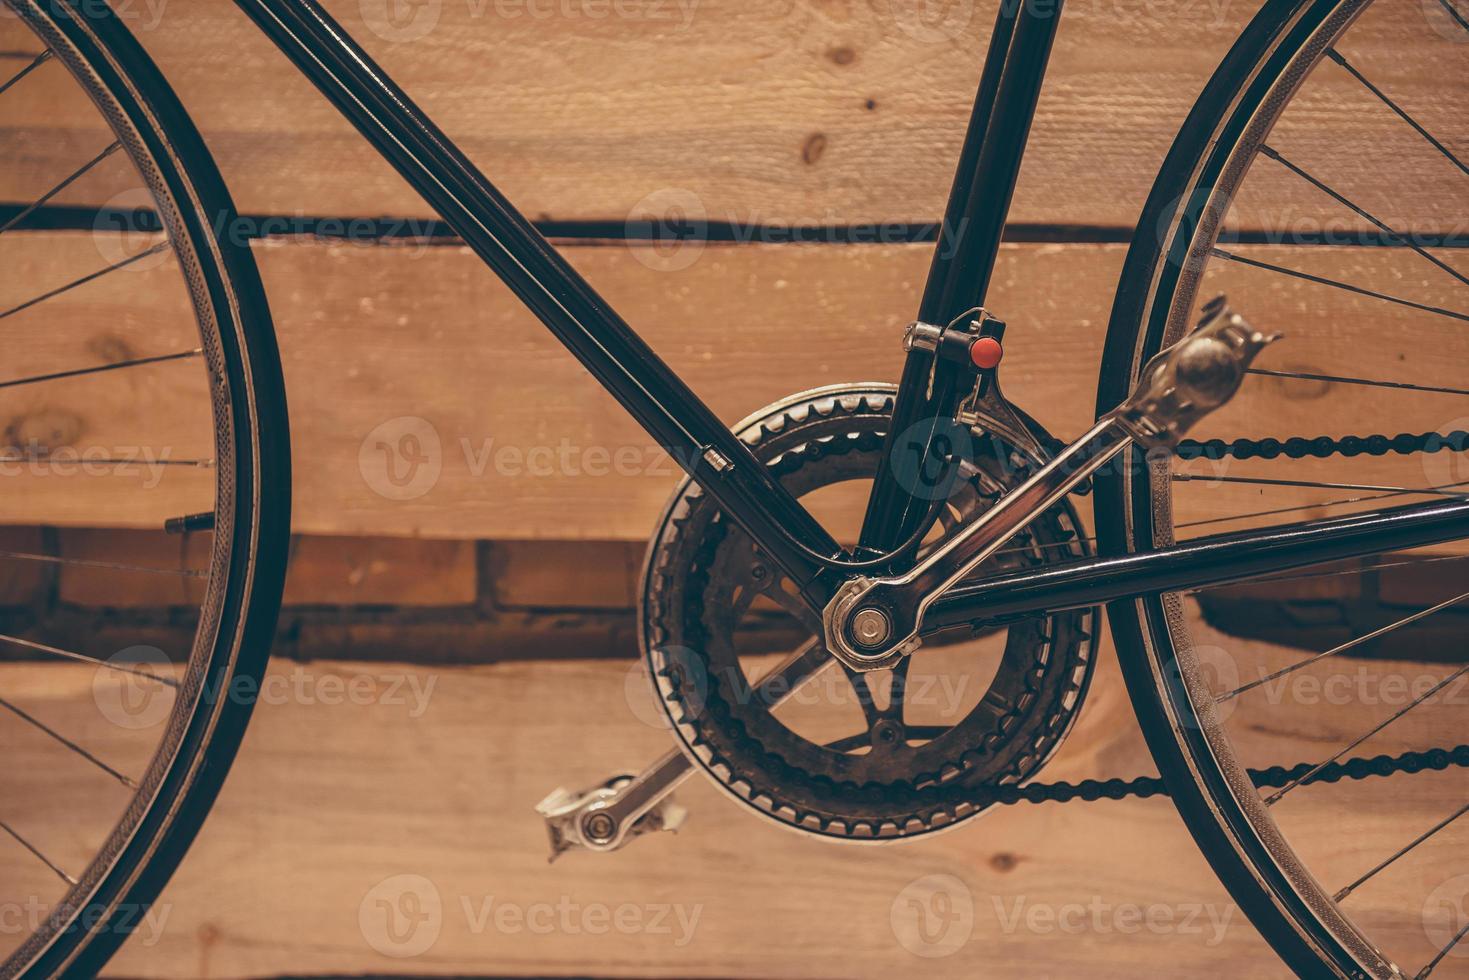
[986, 353]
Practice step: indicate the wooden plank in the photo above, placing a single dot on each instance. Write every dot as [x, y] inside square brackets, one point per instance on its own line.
[323, 571]
[756, 113]
[331, 798]
[564, 574]
[448, 412]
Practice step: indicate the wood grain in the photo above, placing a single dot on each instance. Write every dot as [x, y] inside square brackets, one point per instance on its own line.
[305, 835]
[514, 441]
[847, 113]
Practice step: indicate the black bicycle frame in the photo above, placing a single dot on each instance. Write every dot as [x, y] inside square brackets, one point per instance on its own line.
[929, 391]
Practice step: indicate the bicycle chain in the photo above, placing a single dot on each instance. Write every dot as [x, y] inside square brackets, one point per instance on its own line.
[1275, 777]
[1298, 447]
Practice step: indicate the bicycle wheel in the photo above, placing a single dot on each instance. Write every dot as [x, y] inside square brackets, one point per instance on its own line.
[1319, 182]
[143, 390]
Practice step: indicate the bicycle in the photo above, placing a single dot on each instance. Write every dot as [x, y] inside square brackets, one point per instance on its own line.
[971, 526]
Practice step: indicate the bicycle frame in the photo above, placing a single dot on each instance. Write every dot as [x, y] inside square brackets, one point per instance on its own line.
[929, 391]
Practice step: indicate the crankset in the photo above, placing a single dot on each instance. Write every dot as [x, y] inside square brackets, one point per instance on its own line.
[828, 724]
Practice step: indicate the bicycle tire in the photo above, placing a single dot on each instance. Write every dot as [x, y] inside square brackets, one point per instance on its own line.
[252, 491]
[1255, 80]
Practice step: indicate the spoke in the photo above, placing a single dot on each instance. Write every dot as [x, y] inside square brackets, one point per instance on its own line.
[1373, 567]
[1341, 895]
[112, 461]
[84, 658]
[1402, 113]
[1361, 212]
[37, 853]
[111, 565]
[1306, 777]
[1350, 644]
[63, 740]
[1340, 502]
[102, 369]
[1312, 484]
[41, 202]
[154, 250]
[1275, 512]
[1433, 964]
[36, 62]
[1337, 284]
[1454, 13]
[1337, 379]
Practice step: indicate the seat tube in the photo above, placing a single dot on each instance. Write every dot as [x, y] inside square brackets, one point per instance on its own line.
[964, 257]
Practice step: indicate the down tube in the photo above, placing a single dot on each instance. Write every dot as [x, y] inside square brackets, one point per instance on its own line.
[535, 271]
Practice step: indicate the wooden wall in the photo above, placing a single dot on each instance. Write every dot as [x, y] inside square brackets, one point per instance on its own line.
[509, 584]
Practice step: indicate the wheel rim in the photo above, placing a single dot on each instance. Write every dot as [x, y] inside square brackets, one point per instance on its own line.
[166, 702]
[1265, 838]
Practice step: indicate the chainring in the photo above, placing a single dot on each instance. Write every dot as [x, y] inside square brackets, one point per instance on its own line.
[704, 576]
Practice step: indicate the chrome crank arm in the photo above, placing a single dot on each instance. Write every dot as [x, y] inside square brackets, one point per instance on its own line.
[872, 623]
[606, 817]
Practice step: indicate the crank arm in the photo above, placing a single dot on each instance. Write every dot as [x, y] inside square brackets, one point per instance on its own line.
[605, 818]
[872, 623]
